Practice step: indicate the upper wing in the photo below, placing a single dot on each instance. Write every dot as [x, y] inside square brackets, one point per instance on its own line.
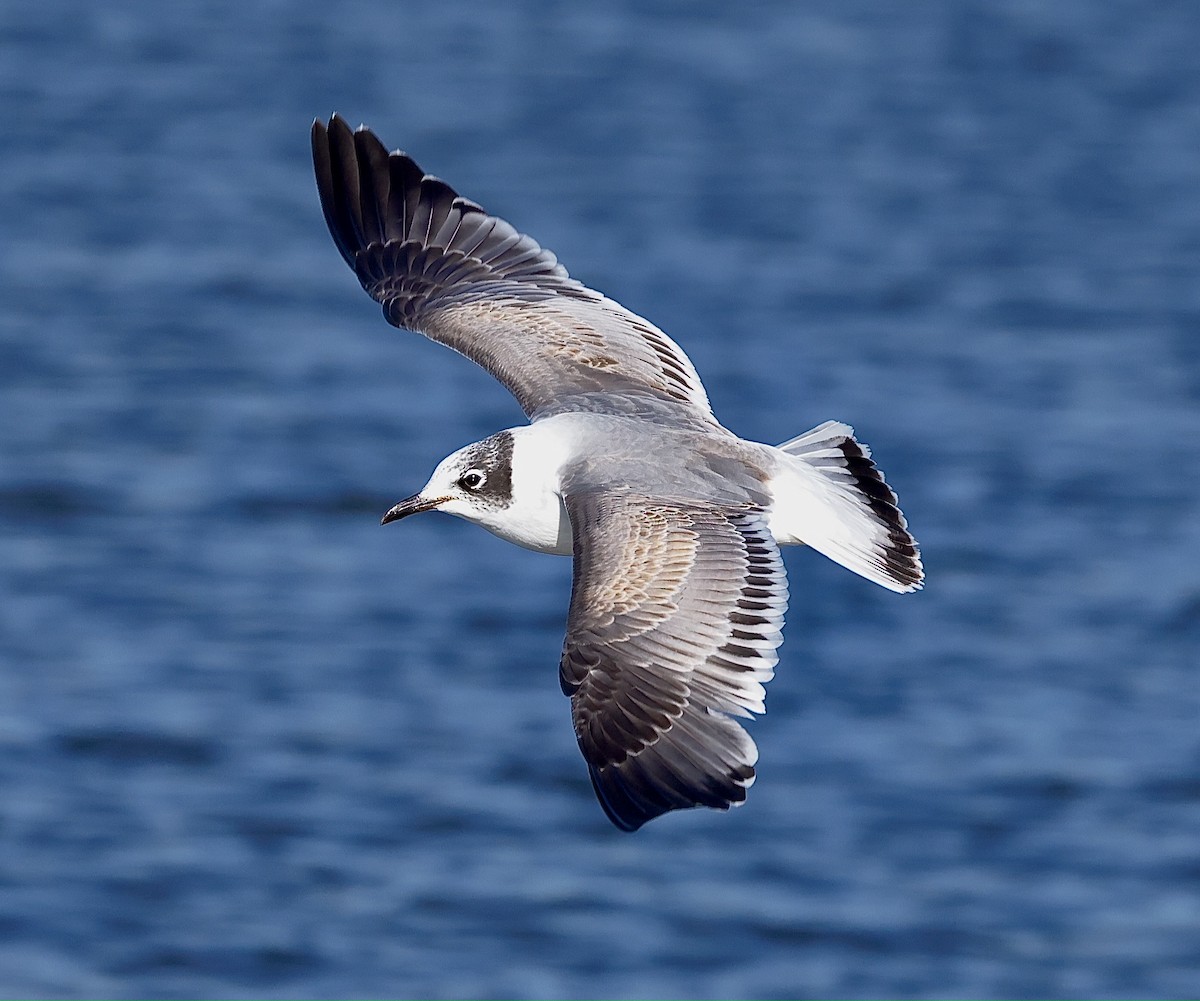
[443, 267]
[675, 620]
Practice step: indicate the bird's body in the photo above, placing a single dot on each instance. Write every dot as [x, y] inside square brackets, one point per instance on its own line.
[674, 522]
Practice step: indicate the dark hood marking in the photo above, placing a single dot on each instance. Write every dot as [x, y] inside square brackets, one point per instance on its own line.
[494, 456]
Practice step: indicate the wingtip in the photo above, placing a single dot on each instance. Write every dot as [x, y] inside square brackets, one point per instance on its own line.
[625, 816]
[325, 124]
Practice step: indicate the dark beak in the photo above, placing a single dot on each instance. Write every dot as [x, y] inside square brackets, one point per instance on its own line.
[412, 505]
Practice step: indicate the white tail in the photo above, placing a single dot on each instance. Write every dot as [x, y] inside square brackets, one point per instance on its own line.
[830, 495]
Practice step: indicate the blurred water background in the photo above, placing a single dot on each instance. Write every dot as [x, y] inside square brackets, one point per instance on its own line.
[252, 745]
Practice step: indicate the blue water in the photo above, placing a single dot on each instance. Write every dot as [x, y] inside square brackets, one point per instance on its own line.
[253, 745]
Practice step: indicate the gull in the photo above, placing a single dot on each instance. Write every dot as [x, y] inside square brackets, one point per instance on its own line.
[674, 522]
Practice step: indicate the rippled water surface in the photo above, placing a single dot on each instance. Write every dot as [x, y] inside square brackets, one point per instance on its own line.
[252, 745]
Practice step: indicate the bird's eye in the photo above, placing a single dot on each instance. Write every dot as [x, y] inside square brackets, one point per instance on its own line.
[472, 479]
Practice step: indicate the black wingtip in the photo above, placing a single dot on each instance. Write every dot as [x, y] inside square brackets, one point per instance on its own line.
[642, 788]
[625, 815]
[364, 188]
[387, 216]
[332, 186]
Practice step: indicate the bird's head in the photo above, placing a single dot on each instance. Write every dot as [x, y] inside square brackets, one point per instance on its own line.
[474, 483]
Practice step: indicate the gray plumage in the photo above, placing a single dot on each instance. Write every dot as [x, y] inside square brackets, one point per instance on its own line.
[678, 592]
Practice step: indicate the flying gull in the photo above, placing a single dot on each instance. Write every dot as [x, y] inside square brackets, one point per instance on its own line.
[674, 522]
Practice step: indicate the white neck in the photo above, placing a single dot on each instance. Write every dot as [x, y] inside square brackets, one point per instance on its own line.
[536, 519]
